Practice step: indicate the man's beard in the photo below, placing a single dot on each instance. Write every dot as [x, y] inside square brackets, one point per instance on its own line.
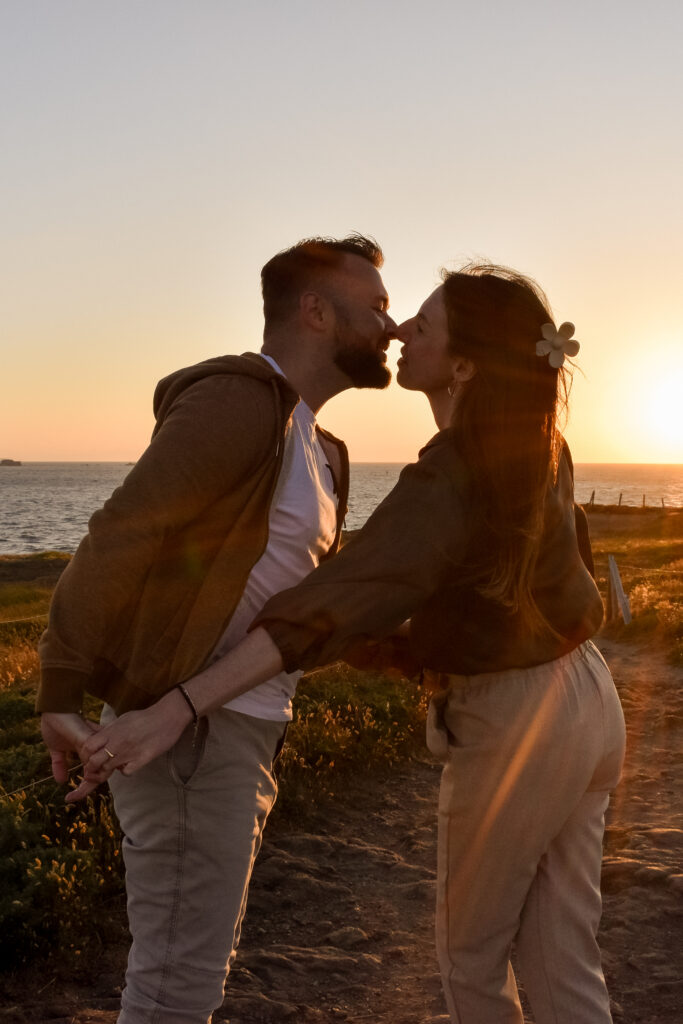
[365, 367]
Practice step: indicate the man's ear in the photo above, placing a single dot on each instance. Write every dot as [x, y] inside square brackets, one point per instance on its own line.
[316, 311]
[463, 369]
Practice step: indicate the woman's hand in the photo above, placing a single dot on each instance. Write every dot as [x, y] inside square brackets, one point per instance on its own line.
[132, 741]
[137, 737]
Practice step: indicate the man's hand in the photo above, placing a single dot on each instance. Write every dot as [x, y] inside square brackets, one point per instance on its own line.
[64, 734]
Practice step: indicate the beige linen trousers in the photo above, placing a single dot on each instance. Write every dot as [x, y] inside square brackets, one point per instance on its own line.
[193, 821]
[530, 757]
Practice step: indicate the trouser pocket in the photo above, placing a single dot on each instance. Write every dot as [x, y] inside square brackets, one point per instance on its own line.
[280, 744]
[185, 756]
[438, 735]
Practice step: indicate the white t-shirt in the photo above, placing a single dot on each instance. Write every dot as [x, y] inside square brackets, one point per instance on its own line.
[301, 528]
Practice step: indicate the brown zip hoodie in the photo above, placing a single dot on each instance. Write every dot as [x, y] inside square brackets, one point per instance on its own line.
[155, 581]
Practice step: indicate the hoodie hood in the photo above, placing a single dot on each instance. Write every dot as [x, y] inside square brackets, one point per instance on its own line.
[247, 365]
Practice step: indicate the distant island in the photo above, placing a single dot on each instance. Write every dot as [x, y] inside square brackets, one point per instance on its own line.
[9, 462]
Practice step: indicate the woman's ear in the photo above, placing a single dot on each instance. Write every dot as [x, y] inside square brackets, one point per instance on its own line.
[462, 369]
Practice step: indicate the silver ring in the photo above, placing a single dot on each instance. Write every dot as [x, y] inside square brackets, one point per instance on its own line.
[109, 753]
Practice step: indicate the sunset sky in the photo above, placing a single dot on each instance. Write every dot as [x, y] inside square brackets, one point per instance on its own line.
[157, 152]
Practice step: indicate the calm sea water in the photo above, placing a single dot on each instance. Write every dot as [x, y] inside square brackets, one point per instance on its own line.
[46, 505]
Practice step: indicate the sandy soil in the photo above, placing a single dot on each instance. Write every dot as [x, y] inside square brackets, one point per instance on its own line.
[339, 925]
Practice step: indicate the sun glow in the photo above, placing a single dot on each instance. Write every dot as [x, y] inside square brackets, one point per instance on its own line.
[656, 405]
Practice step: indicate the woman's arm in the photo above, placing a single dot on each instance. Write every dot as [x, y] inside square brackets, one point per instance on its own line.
[137, 737]
[409, 548]
[401, 556]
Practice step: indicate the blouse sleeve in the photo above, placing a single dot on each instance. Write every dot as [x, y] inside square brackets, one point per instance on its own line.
[413, 541]
[580, 519]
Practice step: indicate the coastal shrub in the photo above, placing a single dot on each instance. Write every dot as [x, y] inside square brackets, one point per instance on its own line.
[657, 610]
[18, 661]
[23, 600]
[22, 757]
[26, 585]
[346, 723]
[61, 871]
[58, 867]
[59, 863]
[650, 562]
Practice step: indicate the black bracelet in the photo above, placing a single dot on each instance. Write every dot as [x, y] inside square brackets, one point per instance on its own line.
[190, 702]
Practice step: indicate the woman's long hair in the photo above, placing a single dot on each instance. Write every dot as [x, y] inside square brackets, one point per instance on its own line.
[505, 424]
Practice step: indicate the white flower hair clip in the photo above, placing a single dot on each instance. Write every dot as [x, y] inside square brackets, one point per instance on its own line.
[556, 344]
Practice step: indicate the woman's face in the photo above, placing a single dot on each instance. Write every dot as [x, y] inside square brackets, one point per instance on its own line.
[425, 364]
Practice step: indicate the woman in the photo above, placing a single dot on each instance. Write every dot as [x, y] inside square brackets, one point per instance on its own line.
[477, 545]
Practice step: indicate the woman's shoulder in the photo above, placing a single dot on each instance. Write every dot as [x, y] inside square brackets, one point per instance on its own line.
[442, 453]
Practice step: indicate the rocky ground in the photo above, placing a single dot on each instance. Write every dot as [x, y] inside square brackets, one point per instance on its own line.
[339, 925]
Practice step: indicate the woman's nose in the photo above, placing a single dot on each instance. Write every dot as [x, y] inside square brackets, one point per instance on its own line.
[403, 330]
[391, 327]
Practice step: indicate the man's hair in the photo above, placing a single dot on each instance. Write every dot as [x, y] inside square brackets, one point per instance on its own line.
[291, 272]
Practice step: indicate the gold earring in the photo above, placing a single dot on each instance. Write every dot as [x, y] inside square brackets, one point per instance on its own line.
[452, 388]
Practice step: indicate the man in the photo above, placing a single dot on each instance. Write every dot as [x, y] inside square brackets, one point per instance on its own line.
[239, 495]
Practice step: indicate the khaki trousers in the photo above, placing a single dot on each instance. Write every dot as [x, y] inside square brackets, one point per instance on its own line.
[529, 759]
[192, 822]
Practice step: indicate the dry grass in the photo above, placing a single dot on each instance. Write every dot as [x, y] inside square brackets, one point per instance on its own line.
[18, 663]
[61, 876]
[23, 601]
[648, 549]
[59, 866]
[346, 723]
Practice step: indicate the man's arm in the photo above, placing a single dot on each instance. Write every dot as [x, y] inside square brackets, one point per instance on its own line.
[213, 437]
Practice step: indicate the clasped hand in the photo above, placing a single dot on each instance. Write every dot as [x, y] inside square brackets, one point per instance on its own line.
[126, 744]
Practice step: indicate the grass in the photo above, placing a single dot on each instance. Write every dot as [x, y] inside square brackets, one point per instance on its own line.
[26, 584]
[59, 865]
[346, 723]
[21, 600]
[18, 662]
[648, 550]
[61, 872]
[61, 878]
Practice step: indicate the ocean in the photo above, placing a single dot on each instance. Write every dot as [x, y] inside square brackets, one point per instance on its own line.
[46, 505]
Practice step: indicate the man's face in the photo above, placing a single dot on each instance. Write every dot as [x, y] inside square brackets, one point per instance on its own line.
[363, 325]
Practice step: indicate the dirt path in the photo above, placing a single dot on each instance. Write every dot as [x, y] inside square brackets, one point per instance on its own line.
[642, 925]
[359, 898]
[339, 925]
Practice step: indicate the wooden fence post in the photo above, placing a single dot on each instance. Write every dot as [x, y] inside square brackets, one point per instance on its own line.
[617, 601]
